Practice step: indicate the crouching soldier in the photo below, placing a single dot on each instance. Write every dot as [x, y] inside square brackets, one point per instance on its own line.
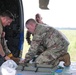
[6, 19]
[55, 45]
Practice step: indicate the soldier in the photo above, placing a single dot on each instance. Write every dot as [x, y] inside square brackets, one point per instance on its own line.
[38, 19]
[5, 20]
[55, 45]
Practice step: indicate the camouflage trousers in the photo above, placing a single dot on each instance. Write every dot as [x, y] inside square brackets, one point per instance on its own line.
[50, 56]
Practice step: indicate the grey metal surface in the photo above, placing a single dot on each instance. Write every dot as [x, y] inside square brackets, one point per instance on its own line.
[71, 70]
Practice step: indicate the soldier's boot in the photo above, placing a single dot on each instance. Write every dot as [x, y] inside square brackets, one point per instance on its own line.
[66, 59]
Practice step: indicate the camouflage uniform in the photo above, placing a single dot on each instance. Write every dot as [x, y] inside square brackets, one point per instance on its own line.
[28, 34]
[3, 42]
[54, 43]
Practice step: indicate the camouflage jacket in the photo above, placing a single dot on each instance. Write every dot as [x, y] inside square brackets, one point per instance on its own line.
[48, 37]
[28, 35]
[3, 42]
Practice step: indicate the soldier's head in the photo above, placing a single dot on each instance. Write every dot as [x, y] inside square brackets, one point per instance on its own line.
[6, 18]
[38, 18]
[31, 25]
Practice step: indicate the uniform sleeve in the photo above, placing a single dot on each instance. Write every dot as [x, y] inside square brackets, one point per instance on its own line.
[28, 35]
[0, 38]
[5, 48]
[33, 48]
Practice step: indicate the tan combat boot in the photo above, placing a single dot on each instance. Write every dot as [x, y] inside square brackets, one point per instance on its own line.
[66, 59]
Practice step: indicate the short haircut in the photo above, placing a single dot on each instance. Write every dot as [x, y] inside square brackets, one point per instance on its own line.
[8, 14]
[37, 15]
[30, 20]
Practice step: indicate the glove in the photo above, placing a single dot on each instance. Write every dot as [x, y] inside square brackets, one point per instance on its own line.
[14, 58]
[10, 55]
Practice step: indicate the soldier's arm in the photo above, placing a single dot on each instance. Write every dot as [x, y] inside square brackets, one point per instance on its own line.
[8, 55]
[28, 34]
[33, 48]
[2, 53]
[5, 47]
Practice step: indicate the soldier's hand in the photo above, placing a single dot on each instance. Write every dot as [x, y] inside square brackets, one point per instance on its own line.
[15, 59]
[22, 60]
[7, 58]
